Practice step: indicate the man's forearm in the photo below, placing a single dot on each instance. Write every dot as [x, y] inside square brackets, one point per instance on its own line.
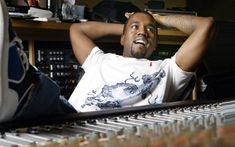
[82, 36]
[96, 30]
[185, 23]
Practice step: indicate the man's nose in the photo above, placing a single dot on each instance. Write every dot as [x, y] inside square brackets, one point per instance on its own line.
[142, 31]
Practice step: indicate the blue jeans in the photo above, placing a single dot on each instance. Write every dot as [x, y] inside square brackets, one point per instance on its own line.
[44, 101]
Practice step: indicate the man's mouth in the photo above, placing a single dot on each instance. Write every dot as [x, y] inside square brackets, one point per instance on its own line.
[141, 41]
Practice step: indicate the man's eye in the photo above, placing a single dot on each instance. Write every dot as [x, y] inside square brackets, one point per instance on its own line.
[134, 26]
[150, 29]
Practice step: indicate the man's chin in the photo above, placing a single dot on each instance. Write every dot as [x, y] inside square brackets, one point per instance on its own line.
[137, 55]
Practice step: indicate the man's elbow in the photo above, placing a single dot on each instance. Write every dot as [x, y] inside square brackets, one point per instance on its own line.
[73, 28]
[75, 31]
[211, 28]
[207, 28]
[209, 23]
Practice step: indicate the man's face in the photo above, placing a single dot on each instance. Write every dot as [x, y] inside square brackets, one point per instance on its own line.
[139, 38]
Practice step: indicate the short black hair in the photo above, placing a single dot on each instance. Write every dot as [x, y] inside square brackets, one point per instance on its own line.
[144, 12]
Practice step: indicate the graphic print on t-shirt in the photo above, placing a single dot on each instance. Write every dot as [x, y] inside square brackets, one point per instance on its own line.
[128, 92]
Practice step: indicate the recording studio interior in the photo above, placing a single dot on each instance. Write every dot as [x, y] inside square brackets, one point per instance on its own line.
[206, 117]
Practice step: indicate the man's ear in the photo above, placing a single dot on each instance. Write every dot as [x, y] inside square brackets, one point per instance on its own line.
[128, 14]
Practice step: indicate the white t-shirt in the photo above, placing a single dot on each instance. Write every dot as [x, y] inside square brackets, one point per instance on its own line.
[114, 81]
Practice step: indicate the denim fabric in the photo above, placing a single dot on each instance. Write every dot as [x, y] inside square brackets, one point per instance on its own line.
[44, 100]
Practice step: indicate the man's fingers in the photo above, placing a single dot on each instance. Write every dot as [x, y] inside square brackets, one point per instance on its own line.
[150, 12]
[154, 14]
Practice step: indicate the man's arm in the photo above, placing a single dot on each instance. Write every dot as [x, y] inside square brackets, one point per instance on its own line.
[82, 36]
[200, 31]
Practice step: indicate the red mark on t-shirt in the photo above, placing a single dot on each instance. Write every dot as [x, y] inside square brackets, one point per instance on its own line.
[150, 64]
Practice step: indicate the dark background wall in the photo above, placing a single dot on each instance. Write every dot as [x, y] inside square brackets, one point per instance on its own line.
[219, 9]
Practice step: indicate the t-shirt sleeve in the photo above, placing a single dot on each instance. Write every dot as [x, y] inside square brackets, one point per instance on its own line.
[92, 58]
[177, 69]
[179, 77]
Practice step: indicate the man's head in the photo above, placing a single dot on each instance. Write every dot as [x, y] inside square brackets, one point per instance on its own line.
[139, 37]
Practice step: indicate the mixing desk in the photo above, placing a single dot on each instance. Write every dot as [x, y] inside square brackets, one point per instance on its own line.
[183, 124]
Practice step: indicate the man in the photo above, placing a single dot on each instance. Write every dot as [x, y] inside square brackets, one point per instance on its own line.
[113, 81]
[24, 90]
